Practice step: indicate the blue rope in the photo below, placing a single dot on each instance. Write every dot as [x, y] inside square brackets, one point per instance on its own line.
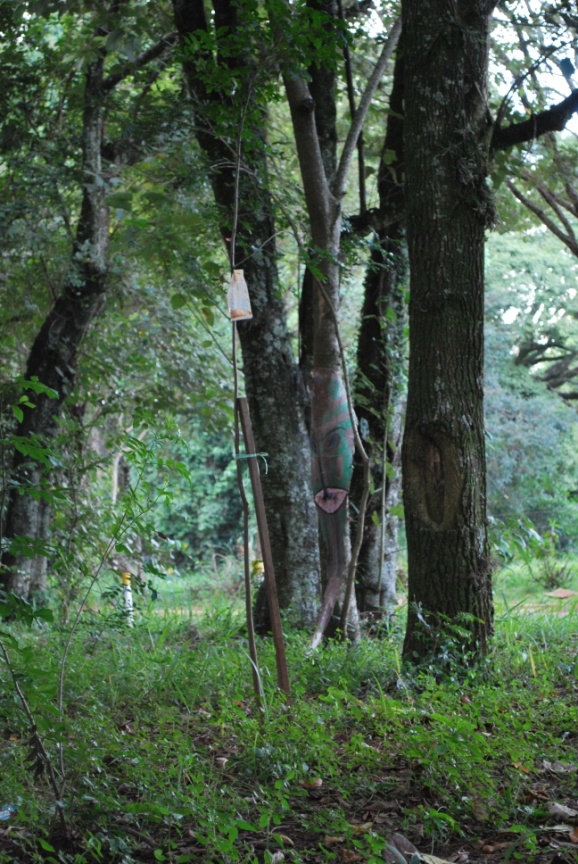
[254, 456]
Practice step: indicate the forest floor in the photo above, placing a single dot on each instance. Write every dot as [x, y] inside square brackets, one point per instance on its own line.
[159, 751]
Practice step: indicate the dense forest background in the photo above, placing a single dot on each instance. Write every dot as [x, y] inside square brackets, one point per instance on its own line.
[148, 399]
[398, 184]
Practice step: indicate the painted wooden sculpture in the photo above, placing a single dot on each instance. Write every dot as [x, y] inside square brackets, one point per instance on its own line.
[332, 448]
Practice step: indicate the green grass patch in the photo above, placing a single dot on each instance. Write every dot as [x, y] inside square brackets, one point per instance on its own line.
[167, 758]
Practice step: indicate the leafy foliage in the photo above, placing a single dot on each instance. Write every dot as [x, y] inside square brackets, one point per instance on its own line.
[367, 749]
[532, 469]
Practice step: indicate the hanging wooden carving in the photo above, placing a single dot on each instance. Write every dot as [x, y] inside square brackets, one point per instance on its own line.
[332, 448]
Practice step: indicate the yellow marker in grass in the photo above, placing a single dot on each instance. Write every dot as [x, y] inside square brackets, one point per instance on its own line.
[127, 594]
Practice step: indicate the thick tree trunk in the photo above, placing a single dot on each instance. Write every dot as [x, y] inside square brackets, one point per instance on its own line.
[53, 357]
[275, 390]
[447, 211]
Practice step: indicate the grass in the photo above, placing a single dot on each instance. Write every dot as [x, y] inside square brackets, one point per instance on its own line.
[167, 758]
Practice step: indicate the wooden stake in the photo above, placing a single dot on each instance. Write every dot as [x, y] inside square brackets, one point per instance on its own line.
[270, 583]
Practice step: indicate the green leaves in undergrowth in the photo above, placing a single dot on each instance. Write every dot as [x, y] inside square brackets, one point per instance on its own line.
[367, 748]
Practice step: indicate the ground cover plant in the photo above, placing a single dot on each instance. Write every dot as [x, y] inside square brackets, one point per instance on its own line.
[160, 753]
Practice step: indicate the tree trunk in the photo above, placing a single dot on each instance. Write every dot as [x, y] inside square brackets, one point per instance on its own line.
[447, 212]
[53, 357]
[331, 428]
[380, 380]
[379, 405]
[275, 390]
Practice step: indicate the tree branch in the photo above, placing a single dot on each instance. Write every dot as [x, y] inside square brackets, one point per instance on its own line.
[320, 202]
[143, 59]
[361, 113]
[543, 217]
[550, 199]
[552, 120]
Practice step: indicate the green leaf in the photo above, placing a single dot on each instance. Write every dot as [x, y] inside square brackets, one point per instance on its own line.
[9, 640]
[246, 826]
[178, 301]
[45, 845]
[38, 387]
[120, 200]
[18, 413]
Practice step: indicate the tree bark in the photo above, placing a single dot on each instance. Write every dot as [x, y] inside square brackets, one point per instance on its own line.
[380, 379]
[379, 406]
[331, 429]
[447, 211]
[53, 356]
[275, 390]
[331, 425]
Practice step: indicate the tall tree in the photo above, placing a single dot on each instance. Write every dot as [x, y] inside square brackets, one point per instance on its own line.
[331, 427]
[448, 208]
[53, 357]
[224, 74]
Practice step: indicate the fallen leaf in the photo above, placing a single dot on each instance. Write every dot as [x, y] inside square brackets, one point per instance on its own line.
[494, 847]
[382, 818]
[431, 859]
[562, 593]
[558, 767]
[561, 810]
[277, 857]
[285, 839]
[380, 806]
[314, 783]
[221, 762]
[349, 856]
[574, 835]
[399, 848]
[480, 810]
[332, 841]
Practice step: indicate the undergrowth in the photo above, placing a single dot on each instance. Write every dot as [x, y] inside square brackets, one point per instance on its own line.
[166, 757]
